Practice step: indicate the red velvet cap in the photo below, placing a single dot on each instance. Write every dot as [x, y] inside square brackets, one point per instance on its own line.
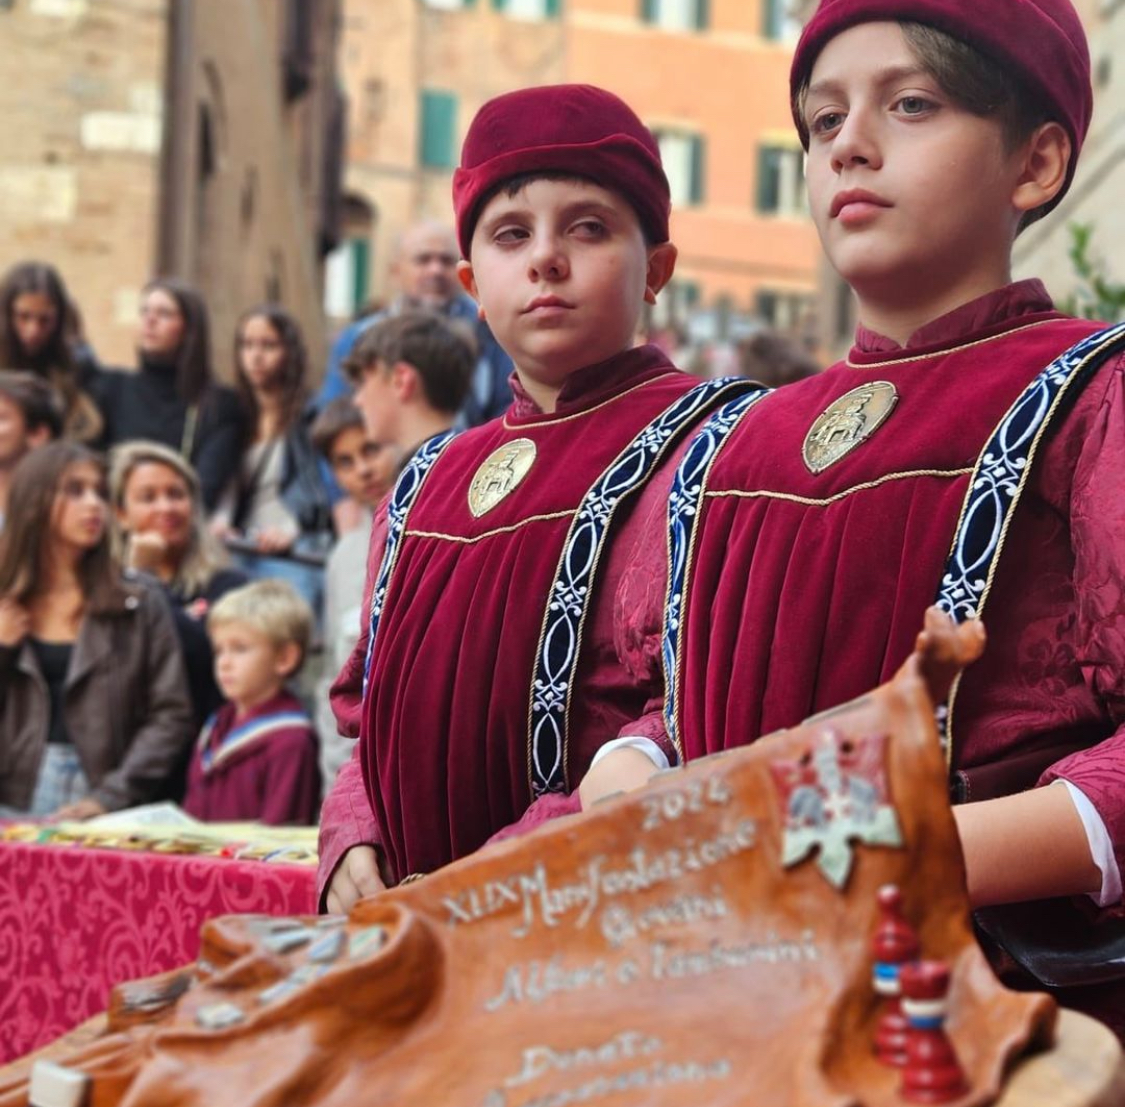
[575, 129]
[1042, 41]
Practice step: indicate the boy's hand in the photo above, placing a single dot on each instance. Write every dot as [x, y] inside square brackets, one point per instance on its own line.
[623, 770]
[146, 551]
[14, 622]
[79, 810]
[356, 876]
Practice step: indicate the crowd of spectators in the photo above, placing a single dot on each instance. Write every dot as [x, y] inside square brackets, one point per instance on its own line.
[165, 540]
[138, 504]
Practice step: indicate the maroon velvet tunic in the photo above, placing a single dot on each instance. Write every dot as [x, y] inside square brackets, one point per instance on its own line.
[807, 590]
[273, 778]
[444, 732]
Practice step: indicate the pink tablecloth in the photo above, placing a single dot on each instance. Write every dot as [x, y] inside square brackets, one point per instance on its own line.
[75, 922]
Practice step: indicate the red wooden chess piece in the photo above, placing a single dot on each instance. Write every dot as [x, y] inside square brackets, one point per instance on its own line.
[932, 1073]
[893, 945]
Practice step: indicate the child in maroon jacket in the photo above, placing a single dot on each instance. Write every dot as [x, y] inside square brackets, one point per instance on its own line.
[256, 758]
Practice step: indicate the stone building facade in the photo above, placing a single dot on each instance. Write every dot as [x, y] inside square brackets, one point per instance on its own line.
[708, 78]
[181, 137]
[415, 72]
[711, 79]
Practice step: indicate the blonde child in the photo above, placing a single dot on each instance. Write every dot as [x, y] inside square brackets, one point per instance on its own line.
[256, 757]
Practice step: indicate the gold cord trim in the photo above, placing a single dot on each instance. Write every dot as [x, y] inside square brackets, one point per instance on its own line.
[582, 414]
[689, 565]
[1033, 451]
[398, 548]
[488, 533]
[669, 444]
[810, 501]
[949, 349]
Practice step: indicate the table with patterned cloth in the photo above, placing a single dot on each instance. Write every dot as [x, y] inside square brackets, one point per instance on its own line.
[74, 922]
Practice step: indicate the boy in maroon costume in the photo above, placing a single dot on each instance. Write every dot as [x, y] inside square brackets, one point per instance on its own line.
[935, 130]
[256, 757]
[488, 664]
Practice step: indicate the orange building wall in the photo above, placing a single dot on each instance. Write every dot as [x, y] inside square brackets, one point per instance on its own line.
[730, 85]
[727, 83]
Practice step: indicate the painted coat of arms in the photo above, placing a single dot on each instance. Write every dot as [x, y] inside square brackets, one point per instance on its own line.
[835, 795]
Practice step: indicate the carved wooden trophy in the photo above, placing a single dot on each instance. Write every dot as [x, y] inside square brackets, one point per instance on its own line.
[707, 940]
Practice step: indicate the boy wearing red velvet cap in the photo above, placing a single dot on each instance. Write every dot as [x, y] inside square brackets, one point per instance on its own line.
[488, 669]
[941, 462]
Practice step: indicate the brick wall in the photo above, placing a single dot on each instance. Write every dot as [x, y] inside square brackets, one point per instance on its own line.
[80, 127]
[110, 172]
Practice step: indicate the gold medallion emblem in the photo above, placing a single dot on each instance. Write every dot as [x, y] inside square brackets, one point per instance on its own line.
[499, 474]
[852, 419]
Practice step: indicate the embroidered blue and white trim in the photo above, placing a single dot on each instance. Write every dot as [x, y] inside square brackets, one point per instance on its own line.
[250, 731]
[999, 479]
[684, 505]
[573, 587]
[406, 490]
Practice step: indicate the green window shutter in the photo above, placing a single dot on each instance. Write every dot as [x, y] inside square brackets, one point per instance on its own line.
[769, 173]
[498, 5]
[361, 258]
[698, 169]
[702, 14]
[554, 8]
[648, 11]
[438, 125]
[772, 14]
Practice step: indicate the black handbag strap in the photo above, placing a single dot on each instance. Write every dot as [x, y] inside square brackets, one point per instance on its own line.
[248, 482]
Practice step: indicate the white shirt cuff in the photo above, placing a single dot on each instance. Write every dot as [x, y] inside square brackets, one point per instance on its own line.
[1101, 847]
[646, 746]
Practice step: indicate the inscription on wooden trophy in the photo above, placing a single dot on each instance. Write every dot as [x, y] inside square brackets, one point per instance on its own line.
[705, 940]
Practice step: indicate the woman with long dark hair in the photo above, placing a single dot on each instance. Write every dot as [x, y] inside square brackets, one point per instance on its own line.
[36, 317]
[173, 397]
[277, 504]
[94, 711]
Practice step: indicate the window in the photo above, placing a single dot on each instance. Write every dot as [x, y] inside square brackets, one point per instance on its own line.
[687, 294]
[345, 278]
[683, 158]
[781, 183]
[438, 126]
[1103, 71]
[778, 21]
[298, 56]
[347, 267]
[333, 156]
[844, 313]
[448, 5]
[528, 9]
[676, 15]
[675, 304]
[781, 310]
